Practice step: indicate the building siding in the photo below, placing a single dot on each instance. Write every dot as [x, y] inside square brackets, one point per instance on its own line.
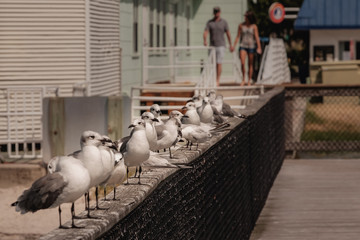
[105, 50]
[42, 43]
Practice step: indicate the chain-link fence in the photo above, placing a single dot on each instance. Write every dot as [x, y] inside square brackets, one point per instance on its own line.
[322, 118]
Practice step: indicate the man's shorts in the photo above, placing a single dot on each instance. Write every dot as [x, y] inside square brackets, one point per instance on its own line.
[219, 52]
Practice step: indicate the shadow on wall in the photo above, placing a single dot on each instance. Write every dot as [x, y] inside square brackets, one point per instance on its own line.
[65, 119]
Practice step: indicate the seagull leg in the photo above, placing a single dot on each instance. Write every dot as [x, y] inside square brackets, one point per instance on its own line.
[59, 209]
[105, 193]
[127, 176]
[97, 200]
[85, 195]
[170, 153]
[73, 217]
[114, 198]
[140, 170]
[197, 146]
[135, 172]
[88, 214]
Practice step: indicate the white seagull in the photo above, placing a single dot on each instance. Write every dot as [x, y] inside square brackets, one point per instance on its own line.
[68, 180]
[136, 148]
[150, 130]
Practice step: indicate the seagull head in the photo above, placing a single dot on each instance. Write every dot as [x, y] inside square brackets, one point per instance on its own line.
[51, 167]
[155, 110]
[148, 116]
[137, 124]
[198, 101]
[90, 138]
[107, 142]
[206, 100]
[211, 95]
[176, 114]
[189, 106]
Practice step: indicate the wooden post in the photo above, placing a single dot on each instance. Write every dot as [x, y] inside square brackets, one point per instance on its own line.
[57, 126]
[114, 126]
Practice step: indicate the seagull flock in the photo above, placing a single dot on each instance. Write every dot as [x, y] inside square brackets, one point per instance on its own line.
[103, 162]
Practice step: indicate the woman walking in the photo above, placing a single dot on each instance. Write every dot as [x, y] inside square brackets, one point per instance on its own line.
[249, 42]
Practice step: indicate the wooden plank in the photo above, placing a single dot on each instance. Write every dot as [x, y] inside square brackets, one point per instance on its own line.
[57, 126]
[312, 199]
[114, 117]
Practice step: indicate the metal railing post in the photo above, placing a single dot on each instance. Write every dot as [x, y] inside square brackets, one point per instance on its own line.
[145, 70]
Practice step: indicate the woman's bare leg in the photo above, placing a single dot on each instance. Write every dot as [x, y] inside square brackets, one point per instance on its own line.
[243, 54]
[251, 67]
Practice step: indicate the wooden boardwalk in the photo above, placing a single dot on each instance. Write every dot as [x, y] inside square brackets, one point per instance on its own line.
[313, 199]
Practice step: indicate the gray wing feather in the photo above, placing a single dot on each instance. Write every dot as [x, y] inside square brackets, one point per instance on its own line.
[42, 194]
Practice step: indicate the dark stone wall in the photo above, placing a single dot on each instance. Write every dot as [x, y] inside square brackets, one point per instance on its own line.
[223, 194]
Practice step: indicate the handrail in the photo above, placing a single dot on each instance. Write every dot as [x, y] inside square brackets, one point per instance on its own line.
[198, 89]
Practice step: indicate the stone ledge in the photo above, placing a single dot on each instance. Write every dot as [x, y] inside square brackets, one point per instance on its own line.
[132, 195]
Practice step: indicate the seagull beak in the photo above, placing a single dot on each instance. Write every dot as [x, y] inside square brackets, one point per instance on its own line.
[184, 108]
[131, 126]
[185, 116]
[155, 120]
[113, 146]
[159, 112]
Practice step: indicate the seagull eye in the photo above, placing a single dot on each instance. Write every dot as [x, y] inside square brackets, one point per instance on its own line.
[92, 137]
[50, 167]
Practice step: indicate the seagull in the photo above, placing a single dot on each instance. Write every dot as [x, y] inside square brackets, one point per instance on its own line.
[198, 100]
[168, 133]
[198, 133]
[90, 155]
[110, 159]
[191, 113]
[225, 109]
[68, 180]
[155, 110]
[118, 175]
[151, 134]
[136, 148]
[195, 134]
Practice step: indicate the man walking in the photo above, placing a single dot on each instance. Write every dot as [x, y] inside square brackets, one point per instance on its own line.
[217, 27]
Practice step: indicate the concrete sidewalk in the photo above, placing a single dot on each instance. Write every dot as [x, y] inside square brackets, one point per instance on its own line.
[313, 199]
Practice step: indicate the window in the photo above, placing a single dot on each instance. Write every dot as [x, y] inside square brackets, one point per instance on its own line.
[164, 23]
[175, 23]
[323, 53]
[135, 26]
[158, 23]
[344, 50]
[188, 24]
[357, 50]
[151, 23]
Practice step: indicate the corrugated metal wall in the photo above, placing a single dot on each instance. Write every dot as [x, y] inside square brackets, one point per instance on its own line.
[105, 47]
[42, 43]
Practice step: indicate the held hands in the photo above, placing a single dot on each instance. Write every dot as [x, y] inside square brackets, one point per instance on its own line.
[258, 50]
[231, 48]
[205, 43]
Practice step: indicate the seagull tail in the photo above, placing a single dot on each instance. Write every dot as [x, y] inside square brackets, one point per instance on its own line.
[220, 127]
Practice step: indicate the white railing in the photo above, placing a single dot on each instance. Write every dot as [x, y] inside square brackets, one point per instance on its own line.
[136, 97]
[21, 111]
[274, 68]
[188, 64]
